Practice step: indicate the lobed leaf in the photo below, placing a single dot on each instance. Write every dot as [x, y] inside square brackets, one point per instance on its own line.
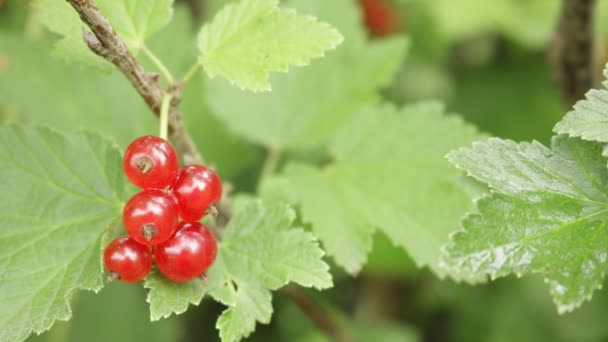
[252, 305]
[62, 192]
[167, 296]
[248, 39]
[389, 173]
[259, 252]
[547, 215]
[308, 105]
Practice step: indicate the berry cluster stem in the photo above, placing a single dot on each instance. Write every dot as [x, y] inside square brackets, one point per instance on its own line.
[270, 163]
[105, 42]
[190, 73]
[164, 115]
[159, 64]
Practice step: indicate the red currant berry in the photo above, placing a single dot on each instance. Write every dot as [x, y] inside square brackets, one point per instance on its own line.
[188, 254]
[150, 217]
[150, 162]
[380, 17]
[196, 188]
[127, 260]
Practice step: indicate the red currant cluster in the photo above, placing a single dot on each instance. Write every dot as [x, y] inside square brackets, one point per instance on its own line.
[182, 250]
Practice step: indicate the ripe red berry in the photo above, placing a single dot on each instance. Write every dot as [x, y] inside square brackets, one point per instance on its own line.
[188, 254]
[150, 217]
[380, 17]
[196, 188]
[150, 162]
[127, 260]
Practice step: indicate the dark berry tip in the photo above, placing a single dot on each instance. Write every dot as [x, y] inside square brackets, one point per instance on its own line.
[144, 164]
[212, 210]
[112, 276]
[149, 231]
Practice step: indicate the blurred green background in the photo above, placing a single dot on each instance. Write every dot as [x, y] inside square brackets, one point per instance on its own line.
[487, 60]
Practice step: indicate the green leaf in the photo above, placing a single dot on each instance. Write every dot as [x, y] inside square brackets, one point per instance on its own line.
[62, 193]
[589, 119]
[69, 97]
[248, 39]
[167, 297]
[547, 215]
[133, 20]
[389, 173]
[308, 105]
[259, 252]
[253, 304]
[258, 247]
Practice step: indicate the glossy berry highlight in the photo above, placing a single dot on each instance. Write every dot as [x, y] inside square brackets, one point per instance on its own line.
[197, 188]
[150, 162]
[127, 260]
[188, 254]
[150, 217]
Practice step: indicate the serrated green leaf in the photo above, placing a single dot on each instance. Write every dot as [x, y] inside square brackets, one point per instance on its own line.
[259, 252]
[167, 297]
[253, 304]
[589, 119]
[61, 193]
[548, 215]
[133, 20]
[389, 173]
[248, 39]
[258, 247]
[308, 105]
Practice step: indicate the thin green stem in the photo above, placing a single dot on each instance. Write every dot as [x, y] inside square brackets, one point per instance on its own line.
[159, 64]
[190, 73]
[271, 162]
[164, 115]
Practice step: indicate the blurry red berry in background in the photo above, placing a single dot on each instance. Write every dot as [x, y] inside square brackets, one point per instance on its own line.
[380, 17]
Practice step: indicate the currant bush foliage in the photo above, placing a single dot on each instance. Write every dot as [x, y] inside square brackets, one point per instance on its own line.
[66, 191]
[259, 252]
[248, 39]
[371, 184]
[547, 214]
[307, 105]
[243, 43]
